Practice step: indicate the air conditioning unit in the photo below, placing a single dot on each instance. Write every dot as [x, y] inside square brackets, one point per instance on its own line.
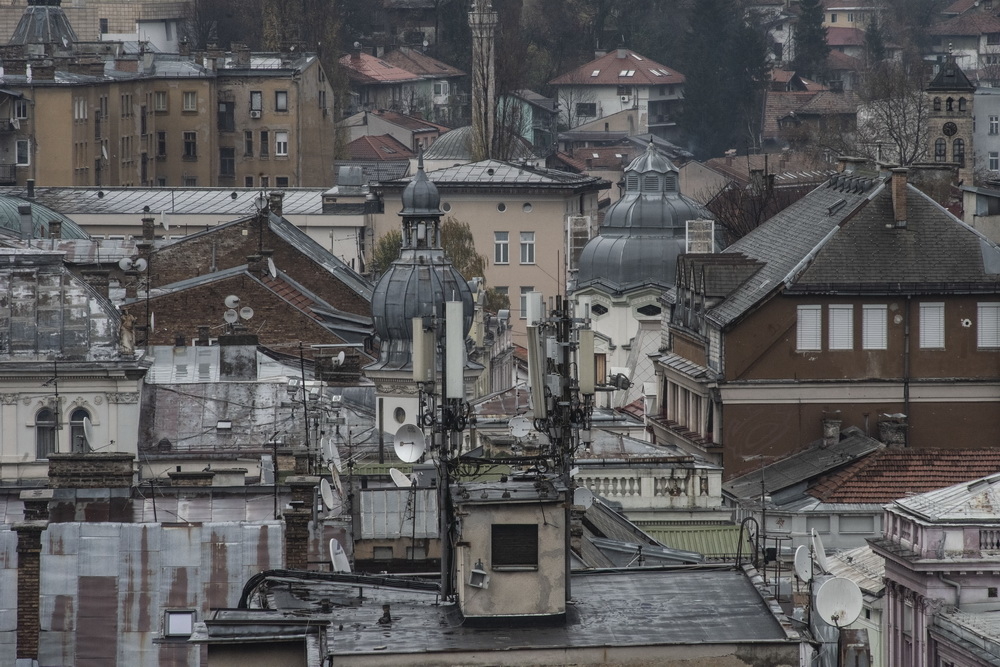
[624, 98]
[255, 113]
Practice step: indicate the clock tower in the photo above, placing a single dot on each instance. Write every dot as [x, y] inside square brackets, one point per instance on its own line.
[950, 98]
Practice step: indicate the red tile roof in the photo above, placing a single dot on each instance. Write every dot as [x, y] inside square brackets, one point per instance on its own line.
[369, 69]
[959, 7]
[892, 473]
[778, 104]
[620, 67]
[968, 25]
[420, 63]
[291, 295]
[383, 147]
[841, 61]
[845, 37]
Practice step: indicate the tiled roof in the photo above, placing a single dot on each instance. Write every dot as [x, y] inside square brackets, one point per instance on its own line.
[382, 147]
[612, 70]
[838, 61]
[788, 167]
[831, 103]
[778, 104]
[363, 68]
[894, 473]
[960, 7]
[934, 251]
[971, 24]
[420, 63]
[970, 500]
[803, 465]
[607, 157]
[377, 171]
[845, 37]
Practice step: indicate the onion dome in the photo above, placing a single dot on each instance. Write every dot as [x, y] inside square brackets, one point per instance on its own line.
[421, 278]
[644, 231]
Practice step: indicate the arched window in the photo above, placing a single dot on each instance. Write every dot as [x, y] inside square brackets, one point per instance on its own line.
[958, 152]
[940, 150]
[937, 104]
[77, 441]
[949, 104]
[961, 104]
[45, 433]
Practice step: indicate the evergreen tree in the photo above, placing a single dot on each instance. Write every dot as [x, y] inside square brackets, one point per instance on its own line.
[874, 42]
[811, 49]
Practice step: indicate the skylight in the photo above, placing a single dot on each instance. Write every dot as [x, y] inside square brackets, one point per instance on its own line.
[654, 72]
[636, 57]
[595, 72]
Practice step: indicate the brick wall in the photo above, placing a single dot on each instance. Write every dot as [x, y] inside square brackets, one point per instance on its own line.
[297, 536]
[90, 471]
[29, 548]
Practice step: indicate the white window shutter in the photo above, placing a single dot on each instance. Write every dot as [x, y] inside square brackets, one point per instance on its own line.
[932, 325]
[810, 328]
[873, 325]
[841, 327]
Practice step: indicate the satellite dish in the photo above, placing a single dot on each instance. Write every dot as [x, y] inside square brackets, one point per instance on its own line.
[839, 602]
[338, 559]
[246, 312]
[409, 443]
[520, 426]
[819, 553]
[152, 321]
[140, 264]
[326, 493]
[125, 263]
[163, 220]
[399, 478]
[340, 358]
[232, 301]
[230, 316]
[803, 564]
[336, 480]
[271, 268]
[583, 496]
[88, 434]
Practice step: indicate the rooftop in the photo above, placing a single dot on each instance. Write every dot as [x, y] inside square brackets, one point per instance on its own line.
[620, 67]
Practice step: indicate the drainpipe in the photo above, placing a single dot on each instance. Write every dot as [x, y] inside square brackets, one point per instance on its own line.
[906, 371]
[958, 589]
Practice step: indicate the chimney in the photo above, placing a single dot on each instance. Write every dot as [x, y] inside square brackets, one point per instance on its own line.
[255, 265]
[898, 183]
[27, 224]
[203, 330]
[622, 54]
[847, 164]
[238, 356]
[274, 202]
[98, 279]
[892, 429]
[831, 429]
[148, 224]
[241, 55]
[184, 47]
[30, 184]
[55, 229]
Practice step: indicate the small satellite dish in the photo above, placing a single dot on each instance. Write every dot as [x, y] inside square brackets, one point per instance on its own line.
[409, 443]
[230, 316]
[520, 426]
[583, 496]
[271, 269]
[326, 493]
[152, 321]
[338, 559]
[839, 602]
[803, 564]
[340, 358]
[125, 263]
[246, 312]
[337, 484]
[232, 301]
[399, 478]
[140, 264]
[88, 434]
[819, 553]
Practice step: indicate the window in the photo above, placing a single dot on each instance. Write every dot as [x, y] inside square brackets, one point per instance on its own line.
[958, 151]
[227, 162]
[321, 100]
[440, 87]
[77, 439]
[281, 181]
[248, 181]
[514, 546]
[45, 433]
[190, 145]
[23, 155]
[961, 103]
[820, 523]
[161, 144]
[937, 104]
[264, 143]
[809, 328]
[265, 181]
[227, 116]
[281, 143]
[256, 100]
[857, 524]
[873, 327]
[382, 553]
[932, 325]
[190, 100]
[940, 150]
[248, 144]
[586, 109]
[21, 109]
[841, 323]
[525, 290]
[178, 623]
[143, 123]
[281, 100]
[833, 18]
[501, 247]
[988, 325]
[103, 26]
[993, 38]
[527, 247]
[994, 161]
[190, 182]
[160, 100]
[949, 104]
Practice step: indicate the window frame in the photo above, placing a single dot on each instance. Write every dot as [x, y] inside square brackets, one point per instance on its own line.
[248, 143]
[169, 631]
[993, 161]
[189, 101]
[523, 302]
[265, 147]
[190, 145]
[46, 427]
[809, 339]
[840, 326]
[931, 334]
[22, 153]
[21, 109]
[227, 162]
[527, 247]
[988, 325]
[940, 150]
[514, 547]
[256, 100]
[76, 430]
[281, 100]
[281, 143]
[874, 326]
[958, 151]
[161, 101]
[501, 248]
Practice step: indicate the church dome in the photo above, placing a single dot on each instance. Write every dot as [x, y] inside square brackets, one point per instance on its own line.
[644, 231]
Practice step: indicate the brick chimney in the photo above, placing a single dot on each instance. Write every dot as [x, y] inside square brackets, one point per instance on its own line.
[55, 229]
[898, 184]
[892, 430]
[831, 428]
[27, 224]
[148, 227]
[98, 279]
[274, 202]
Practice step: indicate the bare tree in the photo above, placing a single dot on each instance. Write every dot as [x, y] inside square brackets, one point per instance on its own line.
[893, 115]
[738, 210]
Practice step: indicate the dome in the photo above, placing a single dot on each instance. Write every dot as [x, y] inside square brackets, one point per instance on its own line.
[43, 22]
[421, 197]
[10, 219]
[644, 231]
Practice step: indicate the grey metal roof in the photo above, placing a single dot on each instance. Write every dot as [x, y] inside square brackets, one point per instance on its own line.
[976, 501]
[457, 145]
[185, 201]
[804, 465]
[496, 173]
[43, 24]
[41, 215]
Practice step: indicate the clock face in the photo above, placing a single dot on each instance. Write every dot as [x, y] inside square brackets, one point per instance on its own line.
[949, 129]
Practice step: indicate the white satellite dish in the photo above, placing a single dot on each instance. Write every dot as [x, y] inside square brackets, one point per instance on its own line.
[803, 564]
[246, 312]
[583, 496]
[337, 484]
[326, 493]
[338, 559]
[819, 553]
[520, 426]
[839, 602]
[409, 443]
[125, 263]
[152, 321]
[399, 478]
[88, 434]
[232, 302]
[140, 264]
[163, 220]
[340, 358]
[271, 269]
[230, 316]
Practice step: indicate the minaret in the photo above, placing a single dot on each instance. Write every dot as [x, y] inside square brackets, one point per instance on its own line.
[483, 21]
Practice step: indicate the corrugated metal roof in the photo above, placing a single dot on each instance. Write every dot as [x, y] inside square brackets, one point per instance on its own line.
[714, 542]
[862, 566]
[977, 501]
[393, 512]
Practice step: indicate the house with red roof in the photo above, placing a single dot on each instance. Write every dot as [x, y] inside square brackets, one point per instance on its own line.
[377, 84]
[622, 80]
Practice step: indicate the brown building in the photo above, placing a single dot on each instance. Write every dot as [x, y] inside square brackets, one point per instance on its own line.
[864, 297]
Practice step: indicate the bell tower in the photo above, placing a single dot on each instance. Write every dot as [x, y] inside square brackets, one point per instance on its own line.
[950, 98]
